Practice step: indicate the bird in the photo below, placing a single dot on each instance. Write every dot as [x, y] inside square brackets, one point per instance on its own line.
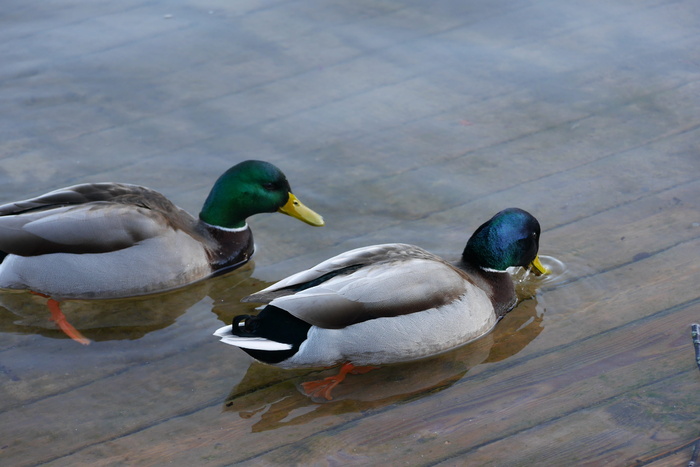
[388, 303]
[112, 240]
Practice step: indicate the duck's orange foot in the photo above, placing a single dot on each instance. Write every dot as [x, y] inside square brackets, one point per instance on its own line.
[323, 387]
[59, 318]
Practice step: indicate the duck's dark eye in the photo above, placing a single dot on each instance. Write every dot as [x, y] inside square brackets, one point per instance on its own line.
[270, 186]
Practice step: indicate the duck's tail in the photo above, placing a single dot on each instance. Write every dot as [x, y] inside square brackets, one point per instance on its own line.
[271, 337]
[252, 343]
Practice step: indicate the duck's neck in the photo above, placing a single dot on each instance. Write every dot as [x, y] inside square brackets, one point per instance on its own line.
[223, 215]
[498, 285]
[230, 248]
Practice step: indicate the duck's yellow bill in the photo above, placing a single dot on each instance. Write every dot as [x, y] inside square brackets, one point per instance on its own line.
[296, 209]
[537, 267]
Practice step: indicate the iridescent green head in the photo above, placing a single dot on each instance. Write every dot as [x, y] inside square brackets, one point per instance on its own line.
[510, 238]
[249, 188]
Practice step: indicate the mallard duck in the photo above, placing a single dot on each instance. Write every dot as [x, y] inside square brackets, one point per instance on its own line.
[388, 303]
[109, 240]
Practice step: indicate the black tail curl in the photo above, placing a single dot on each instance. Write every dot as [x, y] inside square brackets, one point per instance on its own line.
[245, 326]
[274, 324]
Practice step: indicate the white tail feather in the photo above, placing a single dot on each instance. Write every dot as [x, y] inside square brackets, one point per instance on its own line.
[254, 343]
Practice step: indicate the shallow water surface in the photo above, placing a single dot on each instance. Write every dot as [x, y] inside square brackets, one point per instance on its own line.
[398, 122]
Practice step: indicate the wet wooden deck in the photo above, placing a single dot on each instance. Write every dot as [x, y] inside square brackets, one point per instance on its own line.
[398, 121]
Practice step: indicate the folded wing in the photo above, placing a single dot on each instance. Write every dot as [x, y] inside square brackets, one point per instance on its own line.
[367, 283]
[86, 218]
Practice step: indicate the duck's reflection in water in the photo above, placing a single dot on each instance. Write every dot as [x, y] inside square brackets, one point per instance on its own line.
[274, 396]
[127, 318]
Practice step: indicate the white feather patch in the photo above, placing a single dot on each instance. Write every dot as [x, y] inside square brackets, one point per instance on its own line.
[254, 343]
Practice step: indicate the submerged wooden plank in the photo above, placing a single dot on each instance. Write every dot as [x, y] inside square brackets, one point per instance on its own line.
[640, 223]
[535, 386]
[482, 411]
[660, 264]
[403, 122]
[640, 423]
[580, 193]
[60, 366]
[560, 326]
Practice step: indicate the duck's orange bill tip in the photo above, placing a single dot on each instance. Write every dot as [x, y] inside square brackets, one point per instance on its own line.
[538, 268]
[297, 210]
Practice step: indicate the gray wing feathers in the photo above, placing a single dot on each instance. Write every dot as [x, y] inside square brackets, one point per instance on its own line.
[76, 195]
[357, 258]
[385, 289]
[76, 230]
[79, 219]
